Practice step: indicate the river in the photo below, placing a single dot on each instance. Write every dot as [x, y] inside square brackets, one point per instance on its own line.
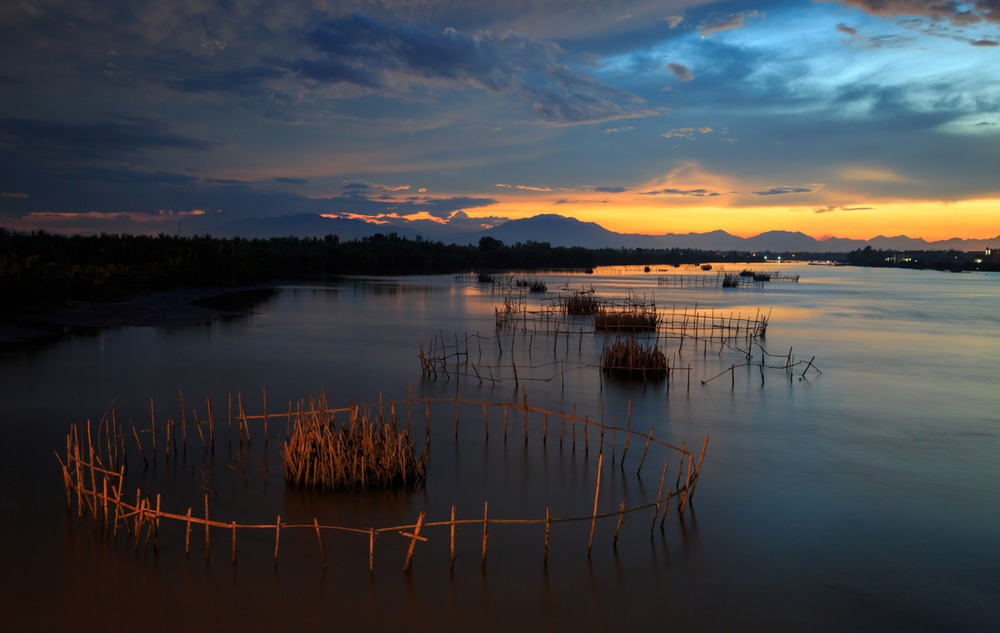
[858, 488]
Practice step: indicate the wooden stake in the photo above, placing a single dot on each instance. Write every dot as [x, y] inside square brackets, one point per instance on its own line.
[413, 542]
[187, 533]
[264, 395]
[618, 528]
[548, 524]
[319, 539]
[697, 470]
[452, 541]
[659, 496]
[207, 547]
[156, 525]
[525, 405]
[277, 538]
[666, 506]
[649, 439]
[211, 427]
[183, 423]
[371, 551]
[486, 524]
[152, 426]
[138, 443]
[597, 494]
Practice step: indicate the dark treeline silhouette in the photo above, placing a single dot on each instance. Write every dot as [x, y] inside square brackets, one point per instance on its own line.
[938, 260]
[41, 271]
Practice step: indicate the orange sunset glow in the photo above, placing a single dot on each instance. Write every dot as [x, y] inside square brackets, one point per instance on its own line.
[847, 119]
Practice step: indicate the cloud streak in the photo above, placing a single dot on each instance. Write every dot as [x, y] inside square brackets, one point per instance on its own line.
[961, 13]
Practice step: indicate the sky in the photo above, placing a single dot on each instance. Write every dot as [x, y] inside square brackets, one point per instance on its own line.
[845, 118]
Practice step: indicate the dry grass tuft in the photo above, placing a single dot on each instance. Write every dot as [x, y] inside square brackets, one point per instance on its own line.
[633, 319]
[361, 454]
[580, 304]
[628, 358]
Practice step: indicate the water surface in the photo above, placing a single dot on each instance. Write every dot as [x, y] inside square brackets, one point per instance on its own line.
[860, 496]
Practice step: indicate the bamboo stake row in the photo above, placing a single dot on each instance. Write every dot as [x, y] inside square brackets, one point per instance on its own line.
[99, 492]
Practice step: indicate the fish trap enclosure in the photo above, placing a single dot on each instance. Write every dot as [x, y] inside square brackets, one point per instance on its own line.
[103, 464]
[724, 279]
[625, 338]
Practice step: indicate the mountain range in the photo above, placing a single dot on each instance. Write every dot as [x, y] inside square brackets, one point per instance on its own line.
[560, 230]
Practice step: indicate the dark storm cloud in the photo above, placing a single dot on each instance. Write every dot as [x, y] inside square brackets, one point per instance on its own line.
[118, 135]
[693, 193]
[843, 28]
[401, 60]
[716, 23]
[611, 189]
[949, 10]
[777, 191]
[396, 58]
[680, 71]
[358, 203]
[985, 43]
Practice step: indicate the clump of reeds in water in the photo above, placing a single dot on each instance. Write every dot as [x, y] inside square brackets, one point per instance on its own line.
[732, 280]
[361, 454]
[637, 318]
[581, 303]
[630, 358]
[533, 285]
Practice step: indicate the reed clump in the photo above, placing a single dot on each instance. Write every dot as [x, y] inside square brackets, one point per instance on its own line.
[732, 280]
[630, 358]
[366, 452]
[632, 319]
[532, 285]
[580, 304]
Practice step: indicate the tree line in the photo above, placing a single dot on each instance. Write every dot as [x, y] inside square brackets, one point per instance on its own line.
[42, 271]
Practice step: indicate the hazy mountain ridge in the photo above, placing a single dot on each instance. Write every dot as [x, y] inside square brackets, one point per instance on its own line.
[560, 230]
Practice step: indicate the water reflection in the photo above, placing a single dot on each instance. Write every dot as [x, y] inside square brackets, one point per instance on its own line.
[826, 498]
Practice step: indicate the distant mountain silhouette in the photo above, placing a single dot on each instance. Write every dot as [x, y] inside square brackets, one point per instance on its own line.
[306, 225]
[560, 230]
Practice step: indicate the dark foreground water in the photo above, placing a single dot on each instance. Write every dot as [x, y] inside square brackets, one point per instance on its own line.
[866, 497]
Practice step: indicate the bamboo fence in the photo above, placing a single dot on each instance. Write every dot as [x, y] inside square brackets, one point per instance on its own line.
[666, 330]
[724, 279]
[95, 465]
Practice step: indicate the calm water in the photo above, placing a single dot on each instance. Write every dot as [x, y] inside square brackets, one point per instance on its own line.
[866, 497]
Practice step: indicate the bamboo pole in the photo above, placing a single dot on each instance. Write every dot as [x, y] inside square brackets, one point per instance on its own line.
[211, 426]
[486, 525]
[697, 470]
[371, 551]
[524, 395]
[277, 538]
[666, 506]
[548, 525]
[319, 539]
[597, 494]
[452, 539]
[234, 541]
[618, 527]
[138, 443]
[187, 533]
[413, 542]
[659, 496]
[649, 439]
[183, 423]
[207, 546]
[156, 525]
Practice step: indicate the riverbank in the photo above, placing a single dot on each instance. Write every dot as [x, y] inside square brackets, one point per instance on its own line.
[182, 306]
